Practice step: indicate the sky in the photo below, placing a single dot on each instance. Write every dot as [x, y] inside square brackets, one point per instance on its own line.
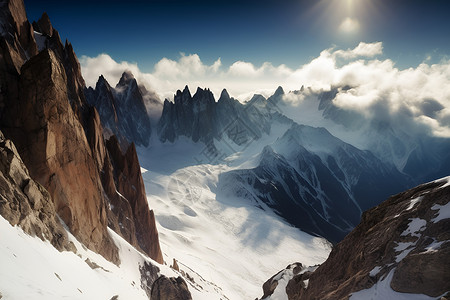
[278, 31]
[393, 54]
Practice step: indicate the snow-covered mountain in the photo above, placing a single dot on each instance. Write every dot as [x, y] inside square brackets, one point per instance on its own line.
[309, 177]
[315, 181]
[411, 148]
[122, 109]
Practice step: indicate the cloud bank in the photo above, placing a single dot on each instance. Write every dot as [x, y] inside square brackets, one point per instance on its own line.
[374, 87]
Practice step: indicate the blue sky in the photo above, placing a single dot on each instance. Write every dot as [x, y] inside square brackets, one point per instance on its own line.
[281, 32]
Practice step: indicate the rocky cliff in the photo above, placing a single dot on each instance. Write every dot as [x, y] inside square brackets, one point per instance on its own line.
[53, 145]
[201, 118]
[122, 109]
[128, 201]
[26, 203]
[60, 139]
[402, 245]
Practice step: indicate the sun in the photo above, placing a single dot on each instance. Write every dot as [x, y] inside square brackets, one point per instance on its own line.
[349, 25]
[347, 17]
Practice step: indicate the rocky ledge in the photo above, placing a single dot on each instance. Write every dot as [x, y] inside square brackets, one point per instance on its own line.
[403, 243]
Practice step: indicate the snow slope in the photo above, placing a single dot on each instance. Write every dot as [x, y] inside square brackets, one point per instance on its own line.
[382, 291]
[34, 269]
[225, 240]
[225, 247]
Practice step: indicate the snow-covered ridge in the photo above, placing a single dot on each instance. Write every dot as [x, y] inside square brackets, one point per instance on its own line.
[307, 176]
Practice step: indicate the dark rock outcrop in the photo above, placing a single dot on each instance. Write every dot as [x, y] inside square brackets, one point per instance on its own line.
[175, 265]
[188, 116]
[170, 289]
[44, 25]
[406, 240]
[122, 109]
[17, 44]
[149, 274]
[128, 211]
[201, 118]
[295, 274]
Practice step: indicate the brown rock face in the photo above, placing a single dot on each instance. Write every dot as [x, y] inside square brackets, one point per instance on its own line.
[17, 44]
[75, 82]
[425, 273]
[296, 286]
[125, 191]
[132, 201]
[25, 202]
[175, 265]
[60, 139]
[53, 145]
[401, 236]
[45, 26]
[269, 286]
[17, 32]
[170, 289]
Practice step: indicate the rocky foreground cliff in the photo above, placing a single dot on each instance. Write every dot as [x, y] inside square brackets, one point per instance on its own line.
[400, 248]
[69, 172]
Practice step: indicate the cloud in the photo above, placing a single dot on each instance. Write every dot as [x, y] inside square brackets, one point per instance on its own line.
[410, 100]
[168, 75]
[372, 87]
[245, 69]
[362, 50]
[349, 25]
[103, 64]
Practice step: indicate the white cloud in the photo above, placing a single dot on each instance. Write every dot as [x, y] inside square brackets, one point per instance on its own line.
[349, 25]
[245, 69]
[362, 50]
[169, 75]
[103, 64]
[375, 88]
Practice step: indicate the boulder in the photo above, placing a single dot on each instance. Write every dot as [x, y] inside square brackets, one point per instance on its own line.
[165, 288]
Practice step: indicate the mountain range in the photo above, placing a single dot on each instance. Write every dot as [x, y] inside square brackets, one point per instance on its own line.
[238, 188]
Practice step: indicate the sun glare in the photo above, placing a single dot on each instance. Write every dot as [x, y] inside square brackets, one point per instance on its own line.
[349, 25]
[343, 16]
